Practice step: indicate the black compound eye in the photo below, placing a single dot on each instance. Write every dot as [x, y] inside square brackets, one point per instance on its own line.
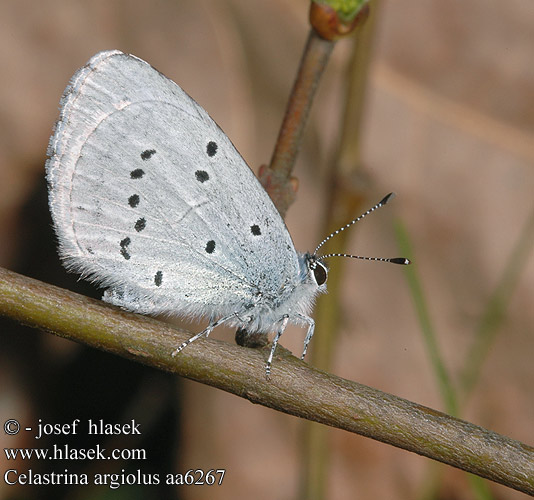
[320, 272]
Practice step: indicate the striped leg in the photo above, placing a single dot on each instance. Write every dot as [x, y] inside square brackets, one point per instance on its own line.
[203, 333]
[281, 328]
[309, 334]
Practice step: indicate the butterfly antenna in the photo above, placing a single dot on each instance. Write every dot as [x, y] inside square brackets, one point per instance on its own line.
[395, 260]
[381, 203]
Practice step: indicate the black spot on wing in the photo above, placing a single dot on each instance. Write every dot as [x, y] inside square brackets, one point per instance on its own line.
[133, 200]
[140, 224]
[210, 246]
[124, 247]
[202, 176]
[211, 148]
[137, 173]
[145, 155]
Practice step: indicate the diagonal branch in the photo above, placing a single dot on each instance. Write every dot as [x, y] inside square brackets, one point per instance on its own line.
[295, 387]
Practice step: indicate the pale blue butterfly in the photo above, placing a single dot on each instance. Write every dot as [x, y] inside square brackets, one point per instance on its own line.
[150, 199]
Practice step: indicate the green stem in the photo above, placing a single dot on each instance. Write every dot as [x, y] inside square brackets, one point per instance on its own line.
[493, 316]
[429, 334]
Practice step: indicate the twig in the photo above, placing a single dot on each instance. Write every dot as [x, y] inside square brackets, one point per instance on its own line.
[327, 27]
[295, 387]
[276, 178]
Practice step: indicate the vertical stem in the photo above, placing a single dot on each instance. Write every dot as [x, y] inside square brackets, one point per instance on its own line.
[493, 316]
[276, 178]
[430, 336]
[345, 199]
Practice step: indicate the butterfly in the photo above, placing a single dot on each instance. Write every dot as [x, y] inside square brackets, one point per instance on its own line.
[150, 199]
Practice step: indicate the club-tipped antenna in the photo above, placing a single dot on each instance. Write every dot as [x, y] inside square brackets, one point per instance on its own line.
[381, 203]
[395, 260]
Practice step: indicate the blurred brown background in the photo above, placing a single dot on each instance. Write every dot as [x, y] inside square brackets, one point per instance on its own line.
[448, 126]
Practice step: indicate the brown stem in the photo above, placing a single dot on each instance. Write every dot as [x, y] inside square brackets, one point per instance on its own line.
[295, 388]
[276, 178]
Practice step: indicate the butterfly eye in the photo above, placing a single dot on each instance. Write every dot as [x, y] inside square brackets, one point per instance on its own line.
[320, 273]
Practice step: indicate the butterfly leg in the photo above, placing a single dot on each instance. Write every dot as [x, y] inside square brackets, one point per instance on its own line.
[203, 333]
[309, 334]
[281, 328]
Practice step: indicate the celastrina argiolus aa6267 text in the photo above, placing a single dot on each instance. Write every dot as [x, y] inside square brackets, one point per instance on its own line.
[150, 199]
